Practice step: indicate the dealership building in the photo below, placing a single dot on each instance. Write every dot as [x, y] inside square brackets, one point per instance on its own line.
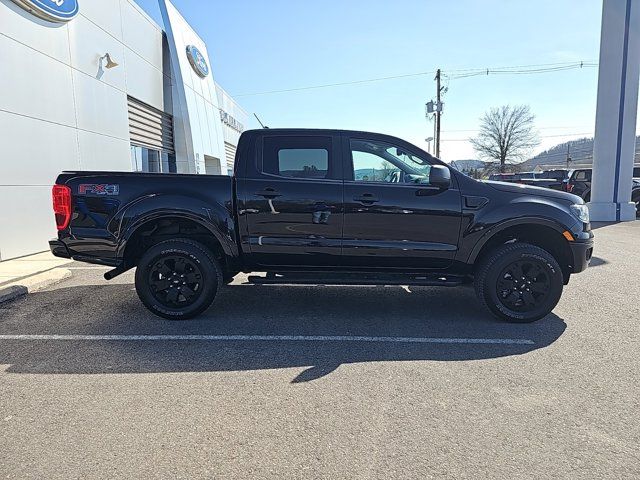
[98, 85]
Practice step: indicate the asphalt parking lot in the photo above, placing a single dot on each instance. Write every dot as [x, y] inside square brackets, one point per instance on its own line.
[277, 386]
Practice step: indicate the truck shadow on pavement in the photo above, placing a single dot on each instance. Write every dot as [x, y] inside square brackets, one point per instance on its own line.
[114, 309]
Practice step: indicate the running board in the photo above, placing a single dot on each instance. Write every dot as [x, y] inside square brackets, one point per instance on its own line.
[297, 278]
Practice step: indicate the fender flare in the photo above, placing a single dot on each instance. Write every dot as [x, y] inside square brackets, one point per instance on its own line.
[213, 217]
[496, 229]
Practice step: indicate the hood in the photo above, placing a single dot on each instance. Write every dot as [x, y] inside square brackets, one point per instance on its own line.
[521, 189]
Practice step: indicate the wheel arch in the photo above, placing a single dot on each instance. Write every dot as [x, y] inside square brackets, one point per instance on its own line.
[544, 233]
[155, 219]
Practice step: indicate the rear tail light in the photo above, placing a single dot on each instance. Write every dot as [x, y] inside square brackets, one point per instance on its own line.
[62, 205]
[569, 187]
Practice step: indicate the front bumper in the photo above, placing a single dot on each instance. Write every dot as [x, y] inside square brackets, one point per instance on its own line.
[582, 250]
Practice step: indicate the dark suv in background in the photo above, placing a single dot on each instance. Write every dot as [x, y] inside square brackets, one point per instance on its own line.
[555, 179]
[580, 182]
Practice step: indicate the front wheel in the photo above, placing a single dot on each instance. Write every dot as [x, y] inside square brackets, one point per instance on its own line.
[519, 282]
[178, 279]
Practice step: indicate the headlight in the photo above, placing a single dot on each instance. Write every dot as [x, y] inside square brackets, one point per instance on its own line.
[581, 211]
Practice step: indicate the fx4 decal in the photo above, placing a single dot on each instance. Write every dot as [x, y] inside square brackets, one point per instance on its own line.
[98, 189]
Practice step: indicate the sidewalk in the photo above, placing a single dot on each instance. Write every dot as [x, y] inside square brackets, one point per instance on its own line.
[26, 274]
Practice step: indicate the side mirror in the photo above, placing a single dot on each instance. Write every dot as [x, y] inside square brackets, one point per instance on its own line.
[440, 176]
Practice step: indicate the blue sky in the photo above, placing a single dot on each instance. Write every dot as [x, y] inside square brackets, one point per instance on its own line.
[257, 46]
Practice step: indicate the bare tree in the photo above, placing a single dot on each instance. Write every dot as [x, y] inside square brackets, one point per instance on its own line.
[386, 169]
[506, 134]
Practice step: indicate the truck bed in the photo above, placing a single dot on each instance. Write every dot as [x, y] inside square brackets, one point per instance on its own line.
[107, 206]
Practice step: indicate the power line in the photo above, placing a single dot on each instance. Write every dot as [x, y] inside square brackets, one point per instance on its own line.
[541, 136]
[536, 65]
[453, 74]
[541, 128]
[338, 84]
[528, 71]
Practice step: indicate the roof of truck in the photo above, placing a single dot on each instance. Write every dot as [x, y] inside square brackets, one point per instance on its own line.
[330, 131]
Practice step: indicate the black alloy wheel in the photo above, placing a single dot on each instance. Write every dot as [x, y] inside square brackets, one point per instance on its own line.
[523, 285]
[178, 279]
[519, 282]
[175, 281]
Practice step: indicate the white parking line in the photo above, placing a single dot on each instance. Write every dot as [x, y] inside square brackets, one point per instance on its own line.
[272, 338]
[95, 267]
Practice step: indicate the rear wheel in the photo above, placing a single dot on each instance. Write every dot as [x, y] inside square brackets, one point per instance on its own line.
[178, 279]
[519, 282]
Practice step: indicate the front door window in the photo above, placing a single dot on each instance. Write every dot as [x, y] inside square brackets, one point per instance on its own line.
[375, 161]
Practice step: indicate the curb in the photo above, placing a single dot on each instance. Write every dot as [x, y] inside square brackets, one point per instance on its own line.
[33, 284]
[11, 293]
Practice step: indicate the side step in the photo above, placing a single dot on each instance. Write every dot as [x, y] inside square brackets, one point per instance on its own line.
[359, 278]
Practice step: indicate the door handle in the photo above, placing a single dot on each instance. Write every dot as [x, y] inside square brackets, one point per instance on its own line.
[268, 193]
[427, 191]
[366, 198]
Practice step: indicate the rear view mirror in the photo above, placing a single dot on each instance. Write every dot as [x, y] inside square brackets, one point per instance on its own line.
[440, 176]
[400, 153]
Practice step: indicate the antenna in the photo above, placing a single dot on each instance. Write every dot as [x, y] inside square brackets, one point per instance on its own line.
[261, 124]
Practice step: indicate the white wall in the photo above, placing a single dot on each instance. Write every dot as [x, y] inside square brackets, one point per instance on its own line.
[197, 125]
[228, 104]
[59, 110]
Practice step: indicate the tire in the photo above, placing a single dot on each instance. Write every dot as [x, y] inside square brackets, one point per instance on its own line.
[190, 273]
[510, 298]
[636, 200]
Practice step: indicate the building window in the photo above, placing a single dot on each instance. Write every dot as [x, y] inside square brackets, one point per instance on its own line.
[147, 160]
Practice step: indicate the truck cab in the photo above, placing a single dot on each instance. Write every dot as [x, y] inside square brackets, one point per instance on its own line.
[346, 200]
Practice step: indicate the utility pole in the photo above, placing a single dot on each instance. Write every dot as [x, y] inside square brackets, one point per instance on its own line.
[438, 112]
[568, 154]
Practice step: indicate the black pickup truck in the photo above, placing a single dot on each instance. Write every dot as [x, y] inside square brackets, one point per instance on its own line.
[325, 207]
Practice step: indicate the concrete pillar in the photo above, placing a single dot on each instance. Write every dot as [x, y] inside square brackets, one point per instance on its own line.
[615, 135]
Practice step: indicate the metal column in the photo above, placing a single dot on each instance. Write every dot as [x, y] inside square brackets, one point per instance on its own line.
[615, 134]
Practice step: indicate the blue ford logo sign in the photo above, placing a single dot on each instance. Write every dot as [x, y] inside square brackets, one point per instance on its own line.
[197, 61]
[52, 10]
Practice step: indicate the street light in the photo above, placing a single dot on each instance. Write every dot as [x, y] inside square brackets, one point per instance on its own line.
[428, 140]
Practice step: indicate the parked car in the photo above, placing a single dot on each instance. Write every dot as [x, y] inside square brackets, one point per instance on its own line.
[325, 207]
[502, 177]
[556, 179]
[579, 183]
[635, 195]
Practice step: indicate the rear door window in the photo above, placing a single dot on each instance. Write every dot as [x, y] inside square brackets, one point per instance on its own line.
[303, 157]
